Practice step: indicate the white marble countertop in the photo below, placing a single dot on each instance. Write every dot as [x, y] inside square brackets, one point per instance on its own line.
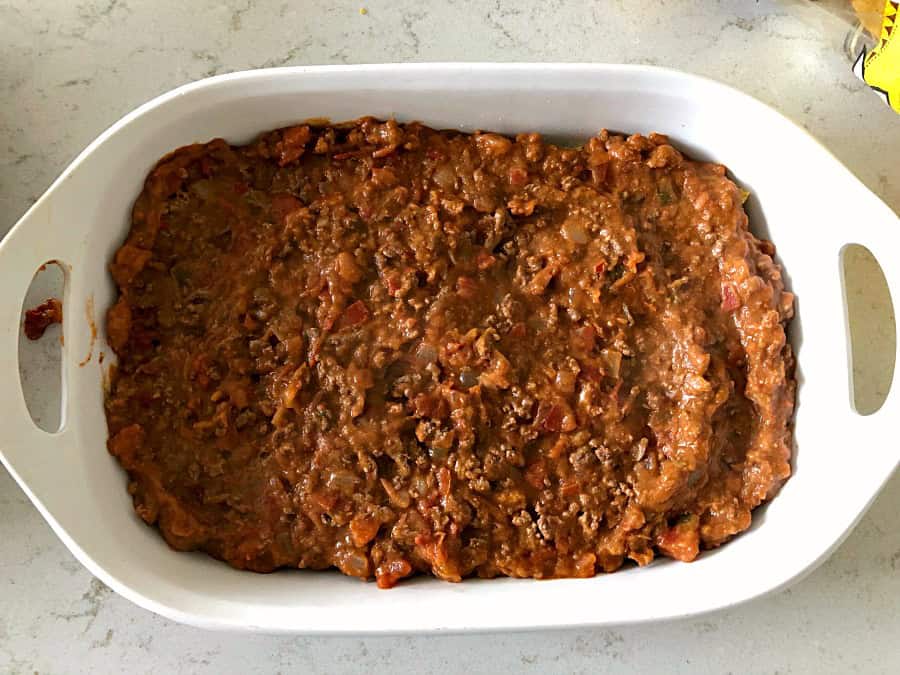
[68, 70]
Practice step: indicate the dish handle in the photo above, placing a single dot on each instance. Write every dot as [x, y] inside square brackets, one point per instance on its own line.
[882, 238]
[32, 242]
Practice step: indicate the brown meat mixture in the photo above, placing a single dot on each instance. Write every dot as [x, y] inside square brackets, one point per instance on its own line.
[39, 319]
[394, 350]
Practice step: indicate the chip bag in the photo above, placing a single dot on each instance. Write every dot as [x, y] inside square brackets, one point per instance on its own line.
[871, 41]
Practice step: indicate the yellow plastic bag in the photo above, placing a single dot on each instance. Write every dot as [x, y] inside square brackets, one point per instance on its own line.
[871, 42]
[879, 66]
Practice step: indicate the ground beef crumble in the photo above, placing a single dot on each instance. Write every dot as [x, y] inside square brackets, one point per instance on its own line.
[393, 350]
[39, 319]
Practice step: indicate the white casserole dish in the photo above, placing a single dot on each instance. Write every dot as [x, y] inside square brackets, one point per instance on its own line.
[809, 204]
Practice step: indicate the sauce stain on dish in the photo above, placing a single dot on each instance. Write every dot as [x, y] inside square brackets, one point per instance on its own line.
[89, 313]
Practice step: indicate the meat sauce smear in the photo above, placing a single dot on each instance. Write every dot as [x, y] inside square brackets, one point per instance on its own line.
[394, 350]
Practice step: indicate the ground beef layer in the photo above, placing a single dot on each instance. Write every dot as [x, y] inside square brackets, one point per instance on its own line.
[394, 350]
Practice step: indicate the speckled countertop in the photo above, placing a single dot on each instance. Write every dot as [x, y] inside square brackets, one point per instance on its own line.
[69, 69]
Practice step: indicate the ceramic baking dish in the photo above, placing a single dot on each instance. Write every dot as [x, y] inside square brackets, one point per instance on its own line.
[806, 201]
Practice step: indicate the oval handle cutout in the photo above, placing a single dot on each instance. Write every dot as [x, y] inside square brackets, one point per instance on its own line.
[869, 313]
[41, 351]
